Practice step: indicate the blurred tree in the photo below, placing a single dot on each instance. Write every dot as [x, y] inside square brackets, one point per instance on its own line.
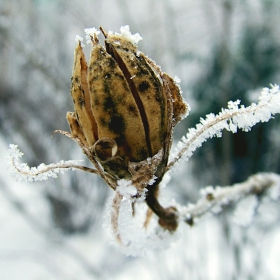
[253, 63]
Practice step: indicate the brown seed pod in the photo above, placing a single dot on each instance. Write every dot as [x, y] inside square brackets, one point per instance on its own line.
[125, 106]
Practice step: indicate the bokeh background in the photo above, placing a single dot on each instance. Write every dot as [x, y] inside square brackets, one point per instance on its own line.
[221, 50]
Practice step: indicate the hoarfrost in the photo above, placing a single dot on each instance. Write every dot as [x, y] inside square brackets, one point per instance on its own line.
[23, 173]
[79, 39]
[135, 239]
[134, 38]
[177, 80]
[90, 33]
[126, 189]
[231, 118]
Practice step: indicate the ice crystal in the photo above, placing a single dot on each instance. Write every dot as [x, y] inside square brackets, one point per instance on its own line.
[126, 189]
[135, 239]
[90, 32]
[79, 39]
[134, 38]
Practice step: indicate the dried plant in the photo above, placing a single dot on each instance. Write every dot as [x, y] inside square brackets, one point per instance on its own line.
[125, 111]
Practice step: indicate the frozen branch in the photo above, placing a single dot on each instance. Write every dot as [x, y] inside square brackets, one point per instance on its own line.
[43, 171]
[233, 118]
[213, 199]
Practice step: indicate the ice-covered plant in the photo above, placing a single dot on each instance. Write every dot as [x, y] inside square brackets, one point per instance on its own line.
[125, 110]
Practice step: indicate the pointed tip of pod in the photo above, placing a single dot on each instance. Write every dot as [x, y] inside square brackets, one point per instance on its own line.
[103, 32]
[91, 34]
[79, 58]
[79, 40]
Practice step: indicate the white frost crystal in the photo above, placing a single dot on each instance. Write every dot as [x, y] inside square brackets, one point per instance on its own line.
[78, 39]
[90, 33]
[137, 240]
[125, 31]
[126, 189]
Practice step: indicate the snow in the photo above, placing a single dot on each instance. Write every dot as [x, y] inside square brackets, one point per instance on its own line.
[90, 32]
[79, 39]
[245, 211]
[134, 38]
[135, 239]
[126, 189]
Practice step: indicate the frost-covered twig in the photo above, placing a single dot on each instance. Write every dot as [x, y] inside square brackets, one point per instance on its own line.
[214, 198]
[233, 118]
[43, 171]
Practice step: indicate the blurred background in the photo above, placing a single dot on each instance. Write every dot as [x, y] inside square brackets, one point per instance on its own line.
[221, 50]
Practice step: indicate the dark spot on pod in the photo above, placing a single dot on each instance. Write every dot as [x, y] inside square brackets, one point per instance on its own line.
[76, 79]
[81, 101]
[96, 101]
[132, 109]
[143, 86]
[159, 97]
[103, 122]
[143, 153]
[119, 76]
[142, 72]
[108, 104]
[107, 91]
[117, 124]
[111, 62]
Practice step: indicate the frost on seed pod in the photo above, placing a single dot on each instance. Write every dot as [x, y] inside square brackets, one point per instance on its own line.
[125, 106]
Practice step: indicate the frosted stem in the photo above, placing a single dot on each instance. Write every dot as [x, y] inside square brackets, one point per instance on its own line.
[221, 196]
[231, 119]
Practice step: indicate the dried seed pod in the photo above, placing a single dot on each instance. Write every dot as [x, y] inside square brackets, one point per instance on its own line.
[125, 106]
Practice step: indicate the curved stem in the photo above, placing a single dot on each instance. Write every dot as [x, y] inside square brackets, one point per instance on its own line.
[168, 217]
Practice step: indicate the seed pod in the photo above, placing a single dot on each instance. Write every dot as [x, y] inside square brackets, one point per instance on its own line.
[125, 107]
